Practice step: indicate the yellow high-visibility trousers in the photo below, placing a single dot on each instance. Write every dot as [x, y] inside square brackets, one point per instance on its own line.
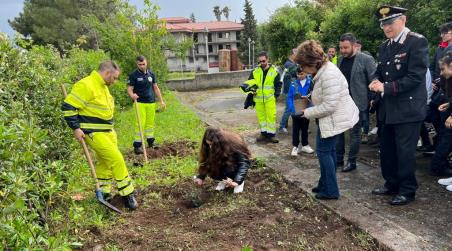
[266, 115]
[147, 119]
[110, 162]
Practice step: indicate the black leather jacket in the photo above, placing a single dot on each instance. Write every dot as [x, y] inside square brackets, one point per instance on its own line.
[238, 174]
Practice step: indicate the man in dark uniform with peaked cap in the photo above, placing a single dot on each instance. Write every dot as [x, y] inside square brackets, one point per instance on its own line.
[400, 82]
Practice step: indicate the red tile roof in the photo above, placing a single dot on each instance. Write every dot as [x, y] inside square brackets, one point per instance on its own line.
[176, 24]
[175, 20]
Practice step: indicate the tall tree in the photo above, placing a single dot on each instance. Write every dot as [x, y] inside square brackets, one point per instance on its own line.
[59, 22]
[226, 12]
[192, 17]
[249, 31]
[217, 12]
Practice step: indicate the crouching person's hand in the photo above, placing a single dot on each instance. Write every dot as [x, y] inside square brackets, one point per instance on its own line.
[198, 181]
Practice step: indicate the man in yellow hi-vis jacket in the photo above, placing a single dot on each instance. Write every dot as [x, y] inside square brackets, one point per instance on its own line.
[142, 87]
[88, 110]
[268, 82]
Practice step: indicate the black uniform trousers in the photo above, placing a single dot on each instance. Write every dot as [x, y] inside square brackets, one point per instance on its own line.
[398, 156]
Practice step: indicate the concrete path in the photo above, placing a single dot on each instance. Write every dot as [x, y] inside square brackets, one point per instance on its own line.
[425, 224]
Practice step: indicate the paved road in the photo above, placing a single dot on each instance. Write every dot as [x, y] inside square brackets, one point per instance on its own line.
[425, 224]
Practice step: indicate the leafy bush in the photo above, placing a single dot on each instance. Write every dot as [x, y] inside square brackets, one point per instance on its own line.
[36, 150]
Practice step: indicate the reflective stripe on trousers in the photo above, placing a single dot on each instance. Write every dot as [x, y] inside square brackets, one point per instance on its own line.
[266, 116]
[147, 119]
[110, 162]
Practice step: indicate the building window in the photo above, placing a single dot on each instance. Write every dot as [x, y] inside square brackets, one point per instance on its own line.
[238, 35]
[226, 35]
[210, 48]
[197, 49]
[220, 34]
[195, 37]
[228, 46]
[220, 47]
[209, 37]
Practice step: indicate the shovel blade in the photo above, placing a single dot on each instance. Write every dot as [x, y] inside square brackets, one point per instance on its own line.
[100, 198]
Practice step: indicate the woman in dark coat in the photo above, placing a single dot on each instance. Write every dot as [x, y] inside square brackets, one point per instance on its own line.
[224, 156]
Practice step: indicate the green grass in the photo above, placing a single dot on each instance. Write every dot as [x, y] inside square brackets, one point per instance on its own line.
[176, 123]
[181, 75]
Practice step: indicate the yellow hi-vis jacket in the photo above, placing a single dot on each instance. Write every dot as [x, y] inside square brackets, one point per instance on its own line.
[266, 89]
[90, 105]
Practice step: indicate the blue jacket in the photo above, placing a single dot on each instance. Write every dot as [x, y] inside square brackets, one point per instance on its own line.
[303, 91]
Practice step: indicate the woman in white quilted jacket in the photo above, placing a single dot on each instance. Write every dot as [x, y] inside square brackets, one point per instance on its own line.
[334, 112]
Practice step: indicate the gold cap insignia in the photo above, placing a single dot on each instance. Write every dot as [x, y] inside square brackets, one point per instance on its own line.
[384, 11]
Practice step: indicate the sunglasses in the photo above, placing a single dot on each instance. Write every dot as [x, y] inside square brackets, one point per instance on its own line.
[262, 61]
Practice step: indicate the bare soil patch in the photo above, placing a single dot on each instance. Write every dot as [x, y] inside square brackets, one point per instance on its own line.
[271, 214]
[179, 148]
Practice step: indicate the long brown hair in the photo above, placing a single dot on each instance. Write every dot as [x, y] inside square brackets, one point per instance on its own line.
[220, 154]
[310, 53]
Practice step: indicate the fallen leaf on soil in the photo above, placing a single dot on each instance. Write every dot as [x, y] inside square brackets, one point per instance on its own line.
[78, 197]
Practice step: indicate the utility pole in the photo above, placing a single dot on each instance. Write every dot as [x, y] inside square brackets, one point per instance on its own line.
[252, 42]
[249, 52]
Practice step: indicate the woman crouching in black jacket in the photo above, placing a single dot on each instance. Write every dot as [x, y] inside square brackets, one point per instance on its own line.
[224, 156]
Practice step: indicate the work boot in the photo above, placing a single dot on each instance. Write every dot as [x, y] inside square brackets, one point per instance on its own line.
[138, 150]
[151, 142]
[107, 197]
[261, 138]
[137, 147]
[130, 201]
[273, 139]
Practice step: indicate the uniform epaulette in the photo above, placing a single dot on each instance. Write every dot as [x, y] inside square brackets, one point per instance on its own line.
[412, 33]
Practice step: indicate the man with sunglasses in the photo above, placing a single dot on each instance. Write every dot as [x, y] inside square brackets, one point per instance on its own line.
[267, 80]
[142, 87]
[400, 82]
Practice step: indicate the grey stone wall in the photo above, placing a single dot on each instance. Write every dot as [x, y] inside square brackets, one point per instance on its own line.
[205, 81]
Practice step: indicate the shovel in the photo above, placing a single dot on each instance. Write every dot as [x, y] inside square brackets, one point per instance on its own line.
[99, 195]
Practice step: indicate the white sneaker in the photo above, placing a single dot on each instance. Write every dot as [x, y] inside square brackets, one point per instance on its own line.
[221, 186]
[294, 151]
[284, 131]
[307, 149]
[239, 188]
[445, 182]
[373, 131]
[449, 188]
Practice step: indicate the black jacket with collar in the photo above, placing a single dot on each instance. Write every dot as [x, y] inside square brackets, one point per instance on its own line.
[402, 68]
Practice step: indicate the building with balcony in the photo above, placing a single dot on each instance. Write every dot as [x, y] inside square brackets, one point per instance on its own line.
[208, 38]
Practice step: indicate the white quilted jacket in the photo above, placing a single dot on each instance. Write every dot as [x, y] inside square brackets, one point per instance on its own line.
[333, 105]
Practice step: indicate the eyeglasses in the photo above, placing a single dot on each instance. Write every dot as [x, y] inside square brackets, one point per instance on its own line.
[445, 33]
[262, 61]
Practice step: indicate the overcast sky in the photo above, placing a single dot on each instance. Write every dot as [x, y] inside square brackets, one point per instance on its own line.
[169, 8]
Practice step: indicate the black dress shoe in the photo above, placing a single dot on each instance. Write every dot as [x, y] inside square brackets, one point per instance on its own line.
[315, 189]
[383, 191]
[324, 197]
[400, 200]
[349, 167]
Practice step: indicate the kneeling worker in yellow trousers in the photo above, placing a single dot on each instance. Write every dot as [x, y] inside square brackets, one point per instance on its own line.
[88, 110]
[142, 87]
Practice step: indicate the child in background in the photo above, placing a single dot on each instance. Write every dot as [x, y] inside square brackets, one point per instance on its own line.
[299, 89]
